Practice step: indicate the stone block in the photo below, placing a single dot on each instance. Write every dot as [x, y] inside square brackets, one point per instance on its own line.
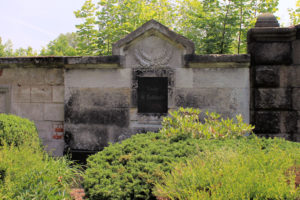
[101, 97]
[184, 78]
[86, 137]
[221, 78]
[45, 129]
[215, 99]
[98, 78]
[54, 77]
[296, 98]
[58, 94]
[296, 52]
[41, 94]
[32, 111]
[289, 121]
[8, 76]
[97, 115]
[5, 99]
[36, 76]
[153, 51]
[21, 93]
[293, 75]
[274, 53]
[54, 147]
[267, 76]
[272, 98]
[54, 112]
[267, 122]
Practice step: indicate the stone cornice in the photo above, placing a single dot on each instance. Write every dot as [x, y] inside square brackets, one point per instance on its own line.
[271, 34]
[61, 61]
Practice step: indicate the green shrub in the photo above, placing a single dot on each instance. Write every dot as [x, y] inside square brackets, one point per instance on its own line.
[27, 173]
[186, 122]
[16, 130]
[260, 170]
[130, 170]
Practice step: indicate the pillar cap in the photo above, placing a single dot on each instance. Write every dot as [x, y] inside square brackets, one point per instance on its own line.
[266, 20]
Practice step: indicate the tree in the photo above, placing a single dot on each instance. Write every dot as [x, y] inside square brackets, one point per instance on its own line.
[220, 26]
[88, 43]
[25, 52]
[295, 14]
[63, 45]
[111, 20]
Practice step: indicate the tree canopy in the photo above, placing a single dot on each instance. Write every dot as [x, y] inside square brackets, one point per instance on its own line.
[215, 26]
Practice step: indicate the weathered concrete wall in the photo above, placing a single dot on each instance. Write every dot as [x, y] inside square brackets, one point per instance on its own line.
[96, 99]
[37, 94]
[97, 106]
[275, 78]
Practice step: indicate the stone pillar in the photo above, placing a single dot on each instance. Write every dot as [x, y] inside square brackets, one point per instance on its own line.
[275, 78]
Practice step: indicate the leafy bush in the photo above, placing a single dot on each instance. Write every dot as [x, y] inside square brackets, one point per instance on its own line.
[130, 170]
[27, 173]
[186, 121]
[16, 130]
[257, 171]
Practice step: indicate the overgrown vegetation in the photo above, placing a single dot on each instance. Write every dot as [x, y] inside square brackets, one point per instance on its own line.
[26, 170]
[17, 131]
[130, 170]
[258, 169]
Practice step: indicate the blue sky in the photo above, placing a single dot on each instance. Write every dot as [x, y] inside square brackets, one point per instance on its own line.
[35, 22]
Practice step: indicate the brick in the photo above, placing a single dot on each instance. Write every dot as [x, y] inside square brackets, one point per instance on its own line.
[41, 94]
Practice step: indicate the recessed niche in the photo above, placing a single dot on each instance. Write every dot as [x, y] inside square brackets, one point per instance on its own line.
[152, 94]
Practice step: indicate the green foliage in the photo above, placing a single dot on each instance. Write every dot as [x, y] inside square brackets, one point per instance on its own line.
[63, 45]
[216, 26]
[259, 169]
[26, 170]
[87, 31]
[16, 130]
[26, 174]
[295, 14]
[186, 121]
[130, 169]
[110, 20]
[6, 50]
[220, 26]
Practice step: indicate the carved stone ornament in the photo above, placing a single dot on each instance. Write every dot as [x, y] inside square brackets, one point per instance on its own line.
[156, 55]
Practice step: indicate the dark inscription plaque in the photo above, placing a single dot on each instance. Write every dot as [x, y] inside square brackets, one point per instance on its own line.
[152, 95]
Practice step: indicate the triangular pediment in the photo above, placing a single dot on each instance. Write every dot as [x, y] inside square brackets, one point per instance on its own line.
[153, 28]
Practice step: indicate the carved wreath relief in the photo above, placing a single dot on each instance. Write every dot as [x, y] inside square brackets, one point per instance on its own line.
[156, 54]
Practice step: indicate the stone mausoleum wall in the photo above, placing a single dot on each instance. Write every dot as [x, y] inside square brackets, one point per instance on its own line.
[83, 103]
[275, 78]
